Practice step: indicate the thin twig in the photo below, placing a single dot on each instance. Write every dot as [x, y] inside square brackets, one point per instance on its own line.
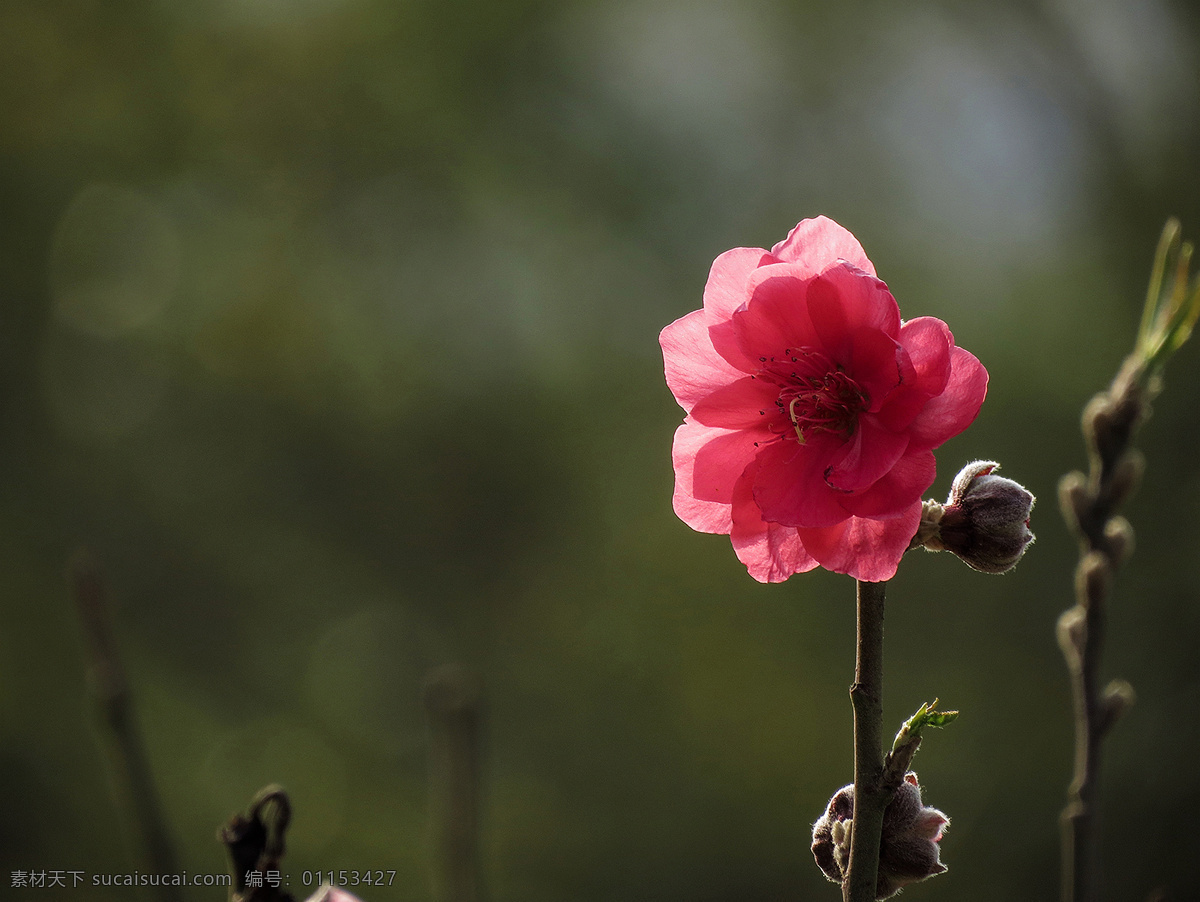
[1089, 505]
[871, 796]
[453, 702]
[115, 704]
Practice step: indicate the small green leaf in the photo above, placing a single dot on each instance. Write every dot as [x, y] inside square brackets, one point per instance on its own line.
[940, 718]
[926, 716]
[1172, 302]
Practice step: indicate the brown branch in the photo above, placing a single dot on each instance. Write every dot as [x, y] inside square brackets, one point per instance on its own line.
[871, 796]
[1089, 506]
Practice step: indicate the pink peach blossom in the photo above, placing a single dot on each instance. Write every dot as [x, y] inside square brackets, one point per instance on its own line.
[812, 409]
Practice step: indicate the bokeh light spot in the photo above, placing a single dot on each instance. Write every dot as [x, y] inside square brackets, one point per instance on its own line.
[366, 674]
[114, 261]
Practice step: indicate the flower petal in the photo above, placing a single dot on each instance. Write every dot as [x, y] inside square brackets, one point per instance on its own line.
[817, 243]
[892, 493]
[955, 408]
[708, 461]
[928, 341]
[790, 486]
[870, 455]
[900, 407]
[843, 301]
[776, 316]
[704, 503]
[869, 550]
[693, 368]
[725, 290]
[770, 552]
[876, 365]
[747, 403]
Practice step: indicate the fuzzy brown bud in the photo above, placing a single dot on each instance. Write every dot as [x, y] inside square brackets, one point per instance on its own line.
[908, 850]
[1117, 698]
[1118, 536]
[1074, 498]
[1097, 420]
[985, 520]
[1072, 632]
[1093, 576]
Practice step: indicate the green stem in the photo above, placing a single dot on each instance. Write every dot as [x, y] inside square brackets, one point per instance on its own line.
[870, 795]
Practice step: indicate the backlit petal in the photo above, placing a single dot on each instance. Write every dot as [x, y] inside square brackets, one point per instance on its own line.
[955, 408]
[790, 486]
[870, 455]
[693, 368]
[704, 503]
[869, 550]
[776, 316]
[875, 364]
[725, 290]
[892, 493]
[745, 404]
[770, 552]
[843, 301]
[708, 461]
[818, 243]
[928, 342]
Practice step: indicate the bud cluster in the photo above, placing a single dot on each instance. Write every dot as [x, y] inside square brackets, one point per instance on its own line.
[908, 850]
[1089, 503]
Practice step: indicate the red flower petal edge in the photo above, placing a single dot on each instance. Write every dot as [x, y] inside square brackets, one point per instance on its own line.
[812, 409]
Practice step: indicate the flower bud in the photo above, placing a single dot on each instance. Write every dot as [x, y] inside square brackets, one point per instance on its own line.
[1097, 420]
[985, 520]
[1117, 698]
[1093, 576]
[1074, 498]
[908, 850]
[1072, 633]
[1118, 535]
[831, 835]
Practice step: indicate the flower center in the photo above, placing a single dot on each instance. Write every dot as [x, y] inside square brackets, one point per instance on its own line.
[814, 394]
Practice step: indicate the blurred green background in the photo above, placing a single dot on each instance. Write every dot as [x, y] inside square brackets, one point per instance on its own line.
[330, 326]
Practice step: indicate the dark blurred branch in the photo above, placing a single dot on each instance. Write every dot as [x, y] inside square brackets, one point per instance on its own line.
[453, 702]
[115, 704]
[871, 795]
[256, 844]
[1089, 505]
